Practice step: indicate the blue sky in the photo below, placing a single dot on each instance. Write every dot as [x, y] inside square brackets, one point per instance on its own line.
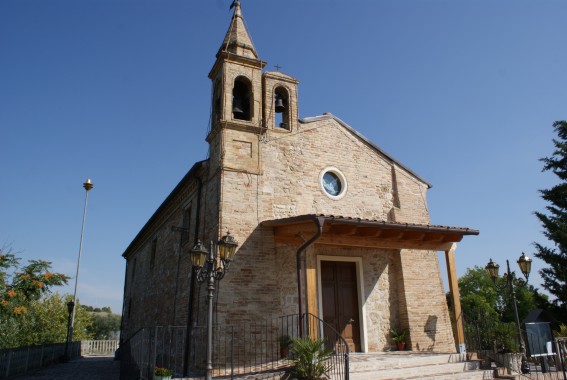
[462, 92]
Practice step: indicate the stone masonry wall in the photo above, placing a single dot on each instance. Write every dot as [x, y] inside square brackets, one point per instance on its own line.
[293, 162]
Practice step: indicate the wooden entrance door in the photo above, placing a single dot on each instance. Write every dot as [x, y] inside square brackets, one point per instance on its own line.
[340, 300]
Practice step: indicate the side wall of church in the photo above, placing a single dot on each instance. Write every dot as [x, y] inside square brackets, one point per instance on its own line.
[158, 271]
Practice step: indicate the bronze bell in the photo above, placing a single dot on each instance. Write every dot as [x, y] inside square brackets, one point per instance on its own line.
[238, 108]
[280, 107]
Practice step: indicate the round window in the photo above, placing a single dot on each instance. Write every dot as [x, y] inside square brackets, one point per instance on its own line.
[333, 183]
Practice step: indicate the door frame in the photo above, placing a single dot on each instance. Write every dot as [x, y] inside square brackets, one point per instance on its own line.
[360, 292]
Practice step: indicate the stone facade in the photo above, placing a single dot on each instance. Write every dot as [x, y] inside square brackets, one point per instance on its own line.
[263, 170]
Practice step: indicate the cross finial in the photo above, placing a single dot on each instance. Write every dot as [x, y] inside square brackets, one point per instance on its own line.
[234, 3]
[278, 67]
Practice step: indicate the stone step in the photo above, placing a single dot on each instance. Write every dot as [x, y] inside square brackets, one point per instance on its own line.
[378, 361]
[469, 375]
[415, 365]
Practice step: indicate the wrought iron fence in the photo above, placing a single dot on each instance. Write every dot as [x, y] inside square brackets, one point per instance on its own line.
[499, 342]
[252, 348]
[487, 334]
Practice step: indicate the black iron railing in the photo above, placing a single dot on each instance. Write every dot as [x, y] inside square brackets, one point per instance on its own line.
[238, 350]
[545, 358]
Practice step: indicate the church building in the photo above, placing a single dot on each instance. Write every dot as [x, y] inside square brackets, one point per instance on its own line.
[325, 221]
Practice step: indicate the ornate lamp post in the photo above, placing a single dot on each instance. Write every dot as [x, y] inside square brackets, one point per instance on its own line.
[70, 308]
[210, 268]
[525, 264]
[88, 186]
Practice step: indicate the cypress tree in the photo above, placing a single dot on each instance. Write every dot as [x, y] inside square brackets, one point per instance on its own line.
[554, 222]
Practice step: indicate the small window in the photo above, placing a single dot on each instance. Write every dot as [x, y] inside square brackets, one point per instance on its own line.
[129, 307]
[185, 234]
[134, 269]
[333, 183]
[153, 253]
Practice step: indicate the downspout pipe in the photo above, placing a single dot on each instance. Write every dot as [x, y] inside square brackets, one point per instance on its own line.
[319, 222]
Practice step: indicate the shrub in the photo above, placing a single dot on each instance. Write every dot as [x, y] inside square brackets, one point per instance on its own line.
[310, 359]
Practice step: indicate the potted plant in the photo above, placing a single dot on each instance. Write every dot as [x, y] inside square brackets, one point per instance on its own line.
[162, 373]
[399, 337]
[285, 342]
[311, 360]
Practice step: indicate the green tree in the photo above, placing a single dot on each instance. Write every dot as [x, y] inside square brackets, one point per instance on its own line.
[105, 325]
[44, 322]
[21, 285]
[480, 295]
[488, 308]
[554, 222]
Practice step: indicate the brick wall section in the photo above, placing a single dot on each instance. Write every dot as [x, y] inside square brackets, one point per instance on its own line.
[425, 305]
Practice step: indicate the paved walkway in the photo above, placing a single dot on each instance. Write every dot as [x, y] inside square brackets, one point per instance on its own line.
[87, 368]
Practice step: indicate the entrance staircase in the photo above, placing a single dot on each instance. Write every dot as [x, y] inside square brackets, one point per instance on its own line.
[415, 365]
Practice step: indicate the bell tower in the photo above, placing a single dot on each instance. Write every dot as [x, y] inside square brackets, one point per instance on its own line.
[236, 119]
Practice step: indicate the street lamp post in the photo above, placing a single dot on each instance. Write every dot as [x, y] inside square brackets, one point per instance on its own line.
[525, 264]
[209, 268]
[70, 308]
[87, 186]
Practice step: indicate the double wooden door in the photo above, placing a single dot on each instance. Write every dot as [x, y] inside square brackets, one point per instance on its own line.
[340, 300]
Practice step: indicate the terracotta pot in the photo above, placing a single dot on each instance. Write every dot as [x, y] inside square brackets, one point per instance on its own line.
[284, 352]
[401, 346]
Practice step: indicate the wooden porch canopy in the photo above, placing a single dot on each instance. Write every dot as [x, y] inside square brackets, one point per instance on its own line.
[305, 230]
[356, 232]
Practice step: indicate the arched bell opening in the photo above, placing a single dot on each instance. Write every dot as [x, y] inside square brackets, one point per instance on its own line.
[281, 108]
[242, 98]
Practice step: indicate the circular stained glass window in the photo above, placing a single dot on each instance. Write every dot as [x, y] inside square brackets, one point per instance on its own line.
[333, 183]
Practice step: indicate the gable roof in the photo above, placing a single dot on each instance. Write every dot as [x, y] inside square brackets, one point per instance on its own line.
[376, 148]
